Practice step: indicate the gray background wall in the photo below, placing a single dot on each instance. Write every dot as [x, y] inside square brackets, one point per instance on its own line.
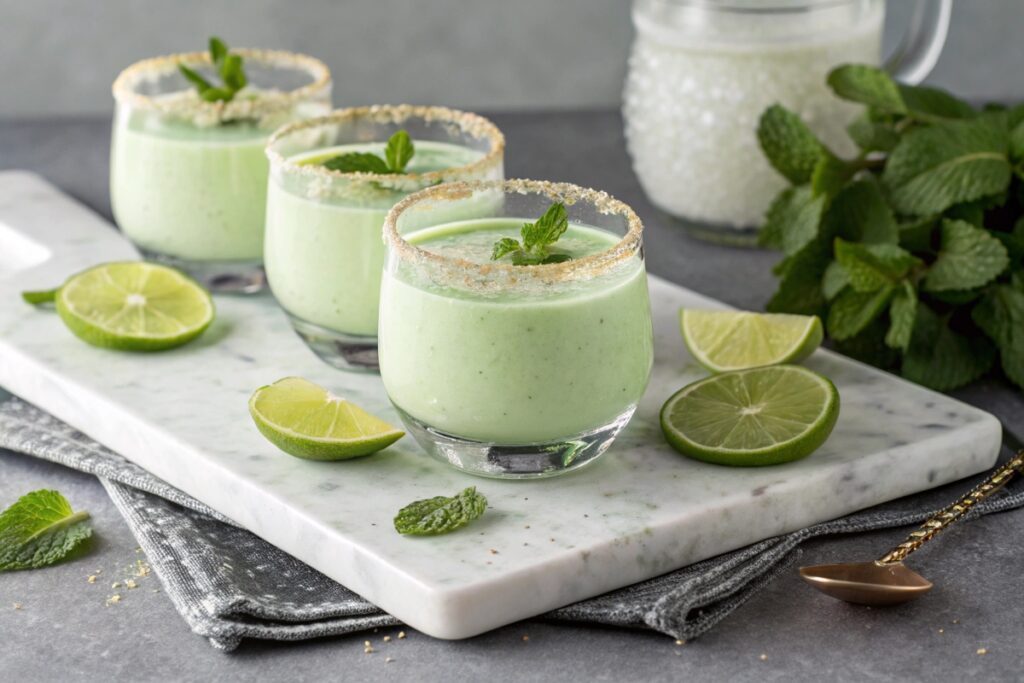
[58, 57]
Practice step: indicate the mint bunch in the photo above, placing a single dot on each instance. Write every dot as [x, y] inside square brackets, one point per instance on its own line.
[440, 515]
[40, 529]
[912, 251]
[229, 68]
[397, 155]
[537, 238]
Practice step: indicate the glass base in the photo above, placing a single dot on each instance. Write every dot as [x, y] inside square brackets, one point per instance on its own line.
[533, 461]
[728, 235]
[351, 352]
[221, 277]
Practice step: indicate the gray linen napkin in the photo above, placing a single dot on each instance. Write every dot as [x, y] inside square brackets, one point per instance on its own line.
[228, 584]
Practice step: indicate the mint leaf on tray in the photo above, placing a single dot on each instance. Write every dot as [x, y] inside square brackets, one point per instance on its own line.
[40, 529]
[440, 515]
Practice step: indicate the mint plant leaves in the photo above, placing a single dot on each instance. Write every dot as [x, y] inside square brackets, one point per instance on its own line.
[397, 155]
[441, 514]
[537, 238]
[912, 251]
[40, 529]
[229, 68]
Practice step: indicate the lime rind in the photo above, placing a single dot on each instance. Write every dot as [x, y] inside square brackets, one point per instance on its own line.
[304, 420]
[689, 406]
[99, 306]
[721, 341]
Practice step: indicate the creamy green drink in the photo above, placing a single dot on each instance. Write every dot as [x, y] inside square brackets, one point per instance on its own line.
[326, 202]
[515, 370]
[188, 174]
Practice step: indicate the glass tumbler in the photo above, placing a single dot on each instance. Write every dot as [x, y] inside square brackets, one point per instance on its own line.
[513, 371]
[701, 72]
[324, 252]
[188, 178]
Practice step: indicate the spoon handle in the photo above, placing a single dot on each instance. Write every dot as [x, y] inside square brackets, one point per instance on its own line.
[961, 507]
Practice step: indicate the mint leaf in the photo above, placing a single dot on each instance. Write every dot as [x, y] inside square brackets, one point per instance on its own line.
[902, 313]
[941, 358]
[918, 234]
[440, 515]
[800, 289]
[852, 311]
[868, 85]
[357, 162]
[399, 151]
[790, 146]
[935, 167]
[792, 220]
[218, 50]
[397, 154]
[1000, 315]
[830, 174]
[873, 136]
[834, 280]
[874, 87]
[39, 530]
[968, 257]
[1017, 141]
[537, 237]
[228, 66]
[863, 215]
[871, 267]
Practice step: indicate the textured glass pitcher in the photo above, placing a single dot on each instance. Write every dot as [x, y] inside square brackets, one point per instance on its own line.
[701, 73]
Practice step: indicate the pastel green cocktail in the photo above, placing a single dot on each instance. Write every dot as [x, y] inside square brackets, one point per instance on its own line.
[188, 177]
[324, 252]
[515, 371]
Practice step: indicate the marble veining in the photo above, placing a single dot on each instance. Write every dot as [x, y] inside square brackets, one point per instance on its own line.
[640, 511]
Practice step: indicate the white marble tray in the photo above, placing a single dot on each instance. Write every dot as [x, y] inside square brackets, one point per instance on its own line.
[642, 511]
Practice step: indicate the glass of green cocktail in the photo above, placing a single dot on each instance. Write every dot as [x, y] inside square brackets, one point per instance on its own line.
[514, 346]
[332, 181]
[188, 176]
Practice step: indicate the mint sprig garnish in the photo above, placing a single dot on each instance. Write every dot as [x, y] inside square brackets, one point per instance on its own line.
[913, 250]
[229, 68]
[40, 529]
[537, 238]
[441, 514]
[397, 155]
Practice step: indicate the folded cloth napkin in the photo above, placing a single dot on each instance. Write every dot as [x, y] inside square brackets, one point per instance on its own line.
[228, 584]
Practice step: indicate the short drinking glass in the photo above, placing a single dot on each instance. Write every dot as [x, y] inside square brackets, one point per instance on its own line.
[188, 178]
[324, 252]
[513, 371]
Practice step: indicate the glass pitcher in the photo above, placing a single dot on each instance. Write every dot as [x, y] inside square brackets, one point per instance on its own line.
[701, 73]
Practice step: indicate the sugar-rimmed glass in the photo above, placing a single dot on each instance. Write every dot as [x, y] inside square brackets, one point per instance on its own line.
[188, 178]
[513, 371]
[324, 252]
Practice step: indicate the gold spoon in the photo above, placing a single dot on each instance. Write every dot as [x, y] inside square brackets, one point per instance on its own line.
[887, 581]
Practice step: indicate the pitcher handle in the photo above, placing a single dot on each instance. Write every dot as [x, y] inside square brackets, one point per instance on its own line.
[921, 45]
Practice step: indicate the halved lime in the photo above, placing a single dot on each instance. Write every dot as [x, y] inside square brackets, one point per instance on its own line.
[305, 420]
[131, 306]
[734, 340]
[760, 416]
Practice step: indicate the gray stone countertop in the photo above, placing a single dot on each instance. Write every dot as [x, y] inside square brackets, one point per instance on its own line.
[63, 629]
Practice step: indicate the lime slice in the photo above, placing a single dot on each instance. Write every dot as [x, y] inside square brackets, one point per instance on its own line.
[131, 306]
[734, 340]
[760, 416]
[305, 420]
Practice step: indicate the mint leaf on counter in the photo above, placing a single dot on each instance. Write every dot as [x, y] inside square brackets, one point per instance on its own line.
[935, 167]
[870, 267]
[790, 146]
[40, 529]
[397, 154]
[873, 136]
[852, 311]
[537, 237]
[792, 220]
[968, 257]
[941, 358]
[874, 87]
[864, 214]
[902, 313]
[440, 515]
[1000, 314]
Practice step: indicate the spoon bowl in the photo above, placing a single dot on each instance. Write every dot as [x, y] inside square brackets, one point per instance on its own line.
[867, 583]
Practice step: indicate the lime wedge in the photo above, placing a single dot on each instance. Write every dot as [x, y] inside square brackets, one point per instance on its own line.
[760, 416]
[305, 420]
[734, 340]
[131, 306]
